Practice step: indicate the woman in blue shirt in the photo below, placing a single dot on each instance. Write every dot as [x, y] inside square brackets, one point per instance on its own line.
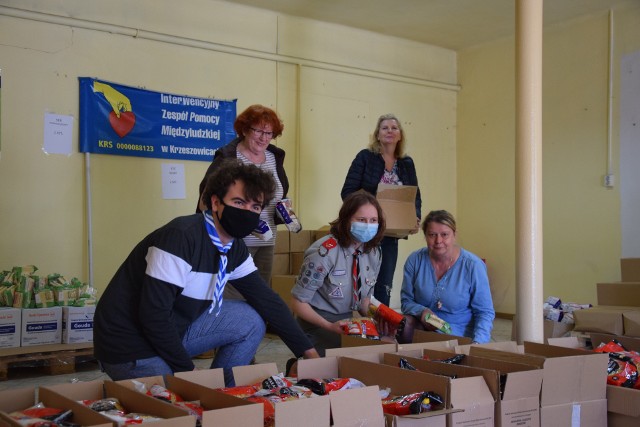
[446, 280]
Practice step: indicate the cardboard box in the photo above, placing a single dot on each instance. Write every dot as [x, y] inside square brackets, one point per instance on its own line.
[510, 346]
[321, 232]
[619, 293]
[398, 203]
[10, 327]
[20, 399]
[280, 264]
[295, 262]
[41, 326]
[77, 324]
[551, 329]
[623, 404]
[282, 285]
[515, 387]
[313, 412]
[282, 242]
[299, 242]
[374, 375]
[603, 319]
[468, 389]
[573, 389]
[219, 409]
[631, 320]
[132, 401]
[428, 336]
[630, 269]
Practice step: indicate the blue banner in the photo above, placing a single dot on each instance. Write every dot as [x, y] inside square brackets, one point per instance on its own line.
[128, 121]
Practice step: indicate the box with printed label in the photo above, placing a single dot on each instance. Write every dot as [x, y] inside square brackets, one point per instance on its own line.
[10, 327]
[77, 324]
[41, 326]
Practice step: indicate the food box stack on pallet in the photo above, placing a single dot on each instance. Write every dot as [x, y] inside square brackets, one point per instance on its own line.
[39, 316]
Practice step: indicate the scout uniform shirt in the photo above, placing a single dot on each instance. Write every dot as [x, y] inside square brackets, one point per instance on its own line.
[325, 280]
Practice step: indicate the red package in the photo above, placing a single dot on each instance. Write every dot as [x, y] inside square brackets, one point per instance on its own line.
[241, 391]
[361, 326]
[323, 386]
[622, 369]
[403, 405]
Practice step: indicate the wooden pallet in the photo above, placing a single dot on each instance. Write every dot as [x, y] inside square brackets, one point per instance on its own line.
[56, 359]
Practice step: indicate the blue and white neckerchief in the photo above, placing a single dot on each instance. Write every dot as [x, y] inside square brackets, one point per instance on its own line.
[221, 277]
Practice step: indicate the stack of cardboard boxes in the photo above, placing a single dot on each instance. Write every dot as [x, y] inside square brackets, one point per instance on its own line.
[26, 327]
[617, 316]
[288, 257]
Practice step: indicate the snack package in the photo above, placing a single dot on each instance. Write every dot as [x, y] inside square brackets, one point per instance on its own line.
[622, 369]
[263, 232]
[414, 403]
[288, 216]
[361, 326]
[380, 311]
[327, 385]
[440, 324]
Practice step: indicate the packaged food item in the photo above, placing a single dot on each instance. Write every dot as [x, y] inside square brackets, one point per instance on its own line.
[414, 403]
[361, 326]
[622, 369]
[263, 231]
[404, 364]
[380, 311]
[326, 386]
[286, 214]
[440, 324]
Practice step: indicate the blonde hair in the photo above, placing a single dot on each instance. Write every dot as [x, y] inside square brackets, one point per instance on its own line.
[374, 142]
[441, 217]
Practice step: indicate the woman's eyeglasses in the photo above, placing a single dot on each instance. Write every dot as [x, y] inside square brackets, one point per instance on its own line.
[262, 133]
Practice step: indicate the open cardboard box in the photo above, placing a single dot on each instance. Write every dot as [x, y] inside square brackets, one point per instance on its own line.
[398, 202]
[219, 409]
[623, 404]
[132, 401]
[468, 389]
[573, 384]
[308, 412]
[516, 387]
[364, 407]
[430, 336]
[15, 400]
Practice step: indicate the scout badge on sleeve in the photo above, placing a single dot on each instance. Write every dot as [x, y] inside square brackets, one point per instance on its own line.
[328, 244]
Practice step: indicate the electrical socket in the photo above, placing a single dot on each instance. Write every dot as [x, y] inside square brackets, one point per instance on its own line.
[609, 180]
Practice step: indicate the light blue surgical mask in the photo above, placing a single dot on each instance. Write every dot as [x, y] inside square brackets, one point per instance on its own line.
[363, 232]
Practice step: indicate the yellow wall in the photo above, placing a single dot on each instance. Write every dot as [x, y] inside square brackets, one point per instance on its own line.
[326, 81]
[329, 83]
[581, 217]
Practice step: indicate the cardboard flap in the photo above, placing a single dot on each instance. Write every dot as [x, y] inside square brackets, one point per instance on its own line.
[314, 411]
[251, 415]
[147, 382]
[622, 400]
[251, 374]
[397, 193]
[523, 384]
[212, 378]
[17, 399]
[628, 342]
[569, 342]
[447, 345]
[510, 346]
[355, 406]
[429, 336]
[81, 390]
[489, 353]
[324, 367]
[469, 392]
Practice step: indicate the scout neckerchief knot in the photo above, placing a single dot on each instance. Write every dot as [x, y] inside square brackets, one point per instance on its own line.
[355, 273]
[221, 277]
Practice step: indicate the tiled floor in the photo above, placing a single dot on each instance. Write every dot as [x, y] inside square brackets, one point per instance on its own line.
[271, 350]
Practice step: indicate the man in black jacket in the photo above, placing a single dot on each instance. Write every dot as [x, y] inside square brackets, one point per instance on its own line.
[164, 305]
